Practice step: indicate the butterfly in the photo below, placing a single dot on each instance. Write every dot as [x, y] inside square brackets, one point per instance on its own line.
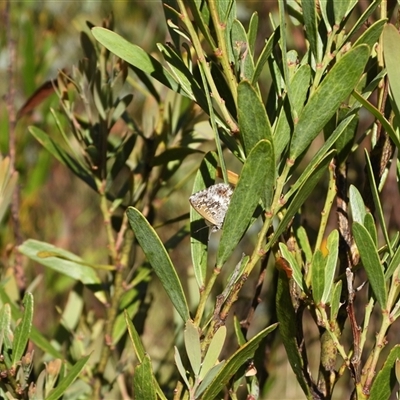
[212, 204]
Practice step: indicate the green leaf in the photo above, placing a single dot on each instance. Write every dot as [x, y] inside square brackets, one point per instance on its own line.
[379, 116]
[119, 327]
[299, 86]
[235, 362]
[253, 120]
[59, 260]
[369, 224]
[265, 54]
[372, 264]
[391, 53]
[136, 56]
[37, 338]
[63, 157]
[310, 23]
[375, 195]
[192, 346]
[371, 36]
[138, 347]
[213, 352]
[319, 156]
[287, 328]
[364, 17]
[330, 267]
[341, 9]
[205, 177]
[326, 14]
[304, 243]
[385, 381]
[245, 199]
[173, 154]
[181, 368]
[288, 256]
[252, 32]
[318, 276]
[303, 193]
[8, 182]
[68, 379]
[23, 330]
[159, 260]
[345, 142]
[211, 374]
[394, 263]
[6, 335]
[182, 75]
[335, 300]
[143, 381]
[357, 205]
[245, 62]
[140, 351]
[334, 89]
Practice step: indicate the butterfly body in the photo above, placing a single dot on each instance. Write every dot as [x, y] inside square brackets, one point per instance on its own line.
[212, 204]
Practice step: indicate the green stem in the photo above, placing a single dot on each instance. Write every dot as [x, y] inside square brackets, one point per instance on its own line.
[374, 357]
[222, 51]
[334, 338]
[204, 296]
[202, 59]
[112, 311]
[327, 207]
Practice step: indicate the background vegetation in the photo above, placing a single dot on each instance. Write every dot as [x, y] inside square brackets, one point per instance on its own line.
[113, 114]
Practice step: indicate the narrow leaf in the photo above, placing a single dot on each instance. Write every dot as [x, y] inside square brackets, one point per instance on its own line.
[143, 380]
[391, 53]
[372, 34]
[394, 263]
[211, 374]
[265, 54]
[240, 44]
[310, 22]
[335, 300]
[62, 156]
[253, 120]
[318, 276]
[287, 328]
[372, 264]
[59, 260]
[303, 193]
[385, 381]
[235, 362]
[213, 352]
[6, 335]
[330, 267]
[67, 380]
[192, 346]
[375, 195]
[297, 273]
[136, 56]
[299, 86]
[337, 85]
[23, 329]
[245, 198]
[357, 205]
[140, 350]
[159, 260]
[181, 368]
[36, 337]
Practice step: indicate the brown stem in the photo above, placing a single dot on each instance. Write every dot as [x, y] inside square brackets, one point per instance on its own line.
[12, 122]
[245, 324]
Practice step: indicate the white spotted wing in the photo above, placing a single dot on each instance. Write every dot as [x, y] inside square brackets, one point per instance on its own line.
[212, 204]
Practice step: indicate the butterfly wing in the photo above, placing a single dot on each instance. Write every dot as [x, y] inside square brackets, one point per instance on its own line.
[212, 204]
